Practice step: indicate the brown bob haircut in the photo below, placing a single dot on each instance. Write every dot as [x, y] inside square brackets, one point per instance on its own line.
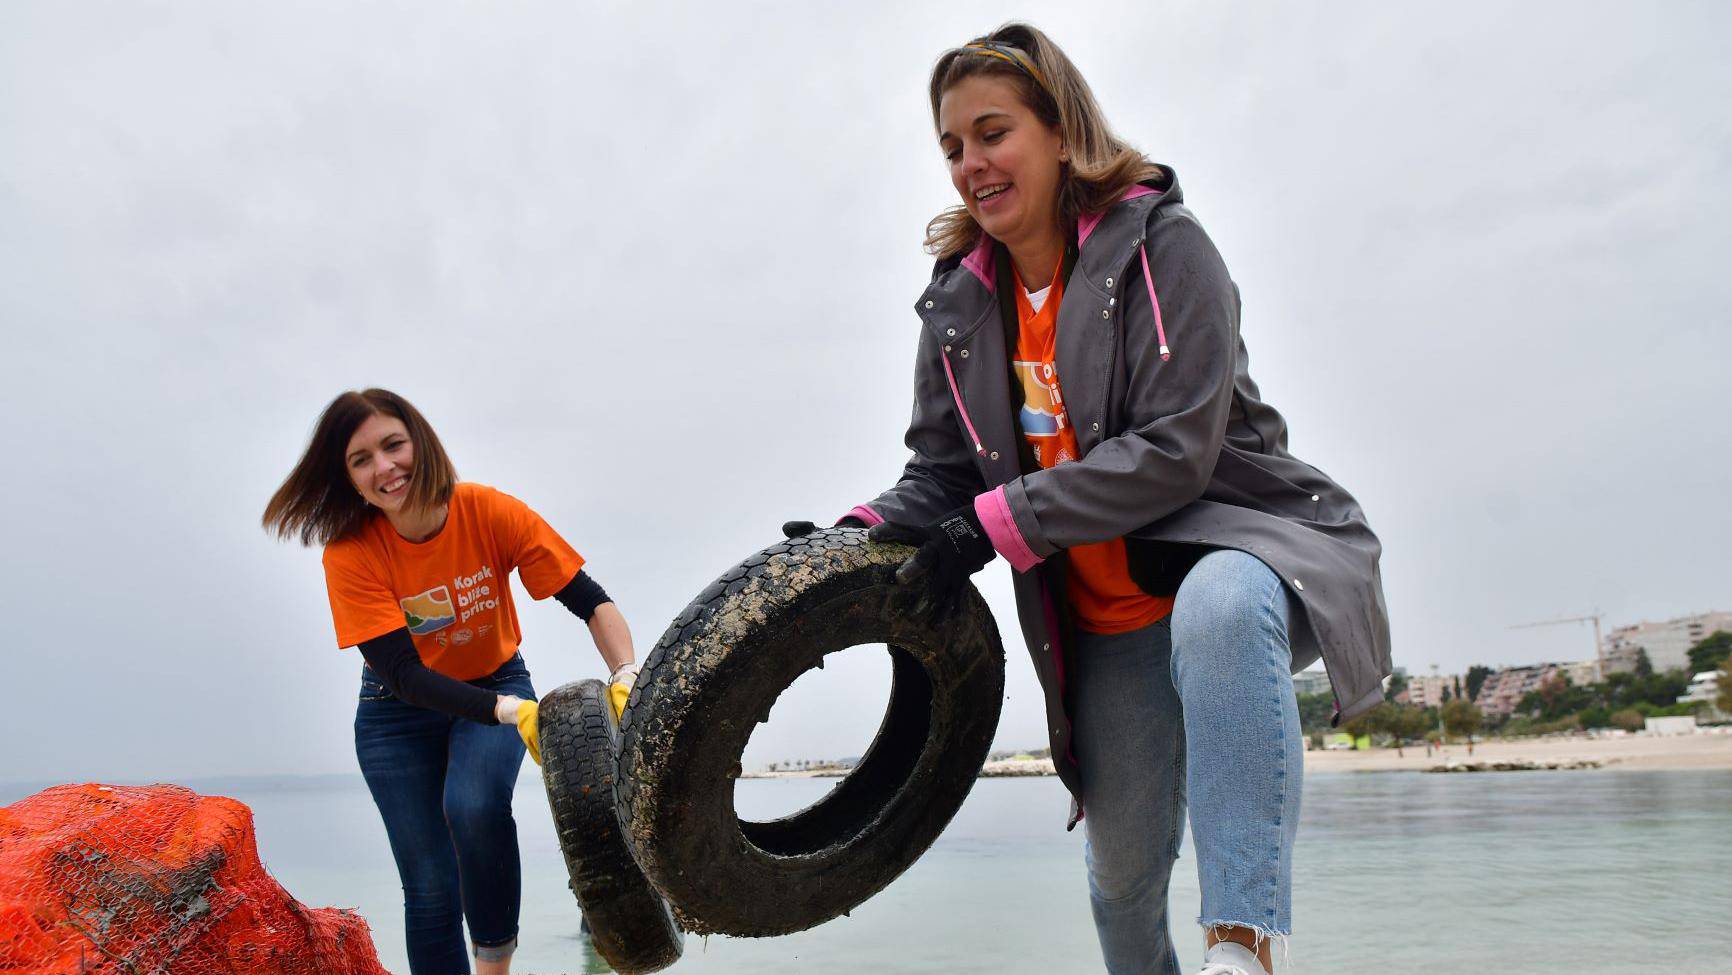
[1101, 167]
[319, 503]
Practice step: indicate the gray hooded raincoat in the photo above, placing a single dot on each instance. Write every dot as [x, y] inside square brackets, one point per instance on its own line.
[1178, 454]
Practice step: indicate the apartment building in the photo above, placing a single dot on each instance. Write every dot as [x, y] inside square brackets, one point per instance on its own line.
[1311, 682]
[1581, 673]
[1705, 687]
[1502, 691]
[1427, 692]
[1667, 644]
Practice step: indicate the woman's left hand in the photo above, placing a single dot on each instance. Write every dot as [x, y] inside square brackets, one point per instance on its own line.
[948, 551]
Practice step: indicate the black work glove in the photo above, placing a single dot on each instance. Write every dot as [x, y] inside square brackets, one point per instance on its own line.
[795, 529]
[949, 551]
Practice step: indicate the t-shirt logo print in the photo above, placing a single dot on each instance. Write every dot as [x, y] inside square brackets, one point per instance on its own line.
[1045, 423]
[1042, 404]
[428, 612]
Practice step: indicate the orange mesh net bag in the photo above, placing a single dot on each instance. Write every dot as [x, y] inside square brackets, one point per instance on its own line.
[155, 880]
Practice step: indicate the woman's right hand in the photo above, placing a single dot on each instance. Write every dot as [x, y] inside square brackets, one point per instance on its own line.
[525, 715]
[619, 685]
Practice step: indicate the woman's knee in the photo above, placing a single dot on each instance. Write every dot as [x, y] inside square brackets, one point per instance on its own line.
[1121, 870]
[469, 812]
[1226, 590]
[1229, 605]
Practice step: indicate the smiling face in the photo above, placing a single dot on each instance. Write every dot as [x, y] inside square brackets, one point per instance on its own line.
[1004, 162]
[379, 460]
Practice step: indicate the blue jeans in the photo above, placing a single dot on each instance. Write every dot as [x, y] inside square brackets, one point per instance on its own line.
[1196, 708]
[443, 786]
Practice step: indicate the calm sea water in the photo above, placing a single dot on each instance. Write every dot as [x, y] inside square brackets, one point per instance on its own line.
[1592, 873]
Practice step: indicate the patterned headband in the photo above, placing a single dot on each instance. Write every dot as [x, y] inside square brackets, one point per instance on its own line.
[1004, 52]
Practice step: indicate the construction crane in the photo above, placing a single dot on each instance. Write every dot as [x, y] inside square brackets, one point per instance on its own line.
[1599, 648]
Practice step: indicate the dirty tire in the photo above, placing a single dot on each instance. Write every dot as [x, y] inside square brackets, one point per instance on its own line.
[715, 674]
[629, 923]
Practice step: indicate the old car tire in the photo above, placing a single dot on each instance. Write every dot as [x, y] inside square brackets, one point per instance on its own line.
[630, 924]
[715, 674]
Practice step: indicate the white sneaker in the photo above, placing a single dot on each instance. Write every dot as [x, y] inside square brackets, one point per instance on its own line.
[1228, 958]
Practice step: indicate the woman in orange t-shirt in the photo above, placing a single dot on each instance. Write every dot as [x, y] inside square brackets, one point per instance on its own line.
[417, 565]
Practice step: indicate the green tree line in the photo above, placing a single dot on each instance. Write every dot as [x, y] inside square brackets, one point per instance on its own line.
[1623, 700]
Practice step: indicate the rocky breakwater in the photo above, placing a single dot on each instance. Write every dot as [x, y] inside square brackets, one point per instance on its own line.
[1516, 765]
[1014, 767]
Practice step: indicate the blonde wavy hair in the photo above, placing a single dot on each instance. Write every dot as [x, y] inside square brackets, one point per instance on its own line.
[1101, 166]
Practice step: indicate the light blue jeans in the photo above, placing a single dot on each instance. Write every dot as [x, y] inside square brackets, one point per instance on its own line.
[1196, 708]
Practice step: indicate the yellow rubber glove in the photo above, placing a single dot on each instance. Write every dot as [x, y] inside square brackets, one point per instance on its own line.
[528, 728]
[619, 685]
[617, 692]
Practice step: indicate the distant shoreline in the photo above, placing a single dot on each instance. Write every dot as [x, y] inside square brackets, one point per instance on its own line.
[1707, 750]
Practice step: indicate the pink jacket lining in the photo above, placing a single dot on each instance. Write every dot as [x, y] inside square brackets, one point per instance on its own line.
[994, 512]
[865, 514]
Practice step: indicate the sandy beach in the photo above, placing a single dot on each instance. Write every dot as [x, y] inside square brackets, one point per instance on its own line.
[1707, 750]
[1698, 751]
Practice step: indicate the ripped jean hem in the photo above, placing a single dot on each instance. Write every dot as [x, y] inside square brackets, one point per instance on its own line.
[1281, 942]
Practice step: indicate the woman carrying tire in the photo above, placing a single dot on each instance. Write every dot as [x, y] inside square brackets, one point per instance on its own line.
[417, 566]
[1083, 407]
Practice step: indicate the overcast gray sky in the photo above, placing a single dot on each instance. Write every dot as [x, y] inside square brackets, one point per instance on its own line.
[651, 268]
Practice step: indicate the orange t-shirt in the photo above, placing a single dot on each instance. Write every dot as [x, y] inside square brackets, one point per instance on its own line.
[1102, 596]
[452, 590]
